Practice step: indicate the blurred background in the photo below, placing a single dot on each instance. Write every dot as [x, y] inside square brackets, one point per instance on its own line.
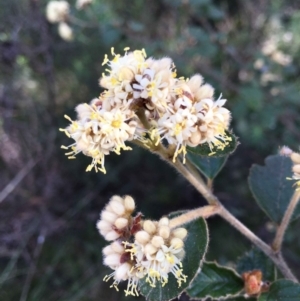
[50, 249]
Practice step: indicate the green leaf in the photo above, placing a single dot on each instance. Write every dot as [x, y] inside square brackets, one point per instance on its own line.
[195, 247]
[282, 290]
[257, 260]
[209, 166]
[270, 187]
[204, 149]
[215, 281]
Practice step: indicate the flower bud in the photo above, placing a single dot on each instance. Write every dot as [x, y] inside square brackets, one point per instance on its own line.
[295, 158]
[176, 243]
[179, 233]
[112, 235]
[142, 237]
[117, 207]
[129, 203]
[122, 271]
[150, 249]
[180, 255]
[205, 91]
[125, 73]
[108, 216]
[107, 250]
[296, 168]
[83, 111]
[112, 260]
[195, 82]
[149, 227]
[164, 221]
[116, 198]
[65, 31]
[164, 232]
[157, 241]
[103, 226]
[195, 138]
[121, 222]
[117, 247]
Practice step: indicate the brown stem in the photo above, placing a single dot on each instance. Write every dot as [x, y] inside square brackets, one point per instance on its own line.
[275, 257]
[204, 190]
[277, 243]
[187, 217]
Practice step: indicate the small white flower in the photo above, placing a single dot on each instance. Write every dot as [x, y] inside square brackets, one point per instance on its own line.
[65, 31]
[57, 11]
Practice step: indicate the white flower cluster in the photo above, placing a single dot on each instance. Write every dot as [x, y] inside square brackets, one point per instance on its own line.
[58, 12]
[140, 248]
[181, 111]
[295, 157]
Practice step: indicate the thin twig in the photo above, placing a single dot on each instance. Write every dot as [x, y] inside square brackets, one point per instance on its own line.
[205, 212]
[197, 182]
[16, 180]
[275, 257]
[277, 243]
[225, 214]
[193, 169]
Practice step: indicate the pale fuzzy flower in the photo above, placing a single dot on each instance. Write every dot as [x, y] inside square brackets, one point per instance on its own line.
[154, 84]
[281, 58]
[158, 256]
[199, 90]
[57, 11]
[213, 120]
[120, 96]
[122, 67]
[115, 257]
[177, 128]
[65, 31]
[100, 132]
[150, 255]
[115, 217]
[81, 4]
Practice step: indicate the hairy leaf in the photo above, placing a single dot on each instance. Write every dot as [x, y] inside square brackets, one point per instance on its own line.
[209, 166]
[282, 290]
[195, 247]
[270, 187]
[215, 281]
[257, 260]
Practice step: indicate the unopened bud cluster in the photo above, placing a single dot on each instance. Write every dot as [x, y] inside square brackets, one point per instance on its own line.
[141, 249]
[295, 157]
[181, 111]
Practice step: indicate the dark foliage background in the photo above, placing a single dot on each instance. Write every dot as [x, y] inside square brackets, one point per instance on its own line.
[248, 50]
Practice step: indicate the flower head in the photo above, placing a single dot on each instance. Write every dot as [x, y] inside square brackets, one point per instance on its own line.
[98, 132]
[141, 249]
[181, 111]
